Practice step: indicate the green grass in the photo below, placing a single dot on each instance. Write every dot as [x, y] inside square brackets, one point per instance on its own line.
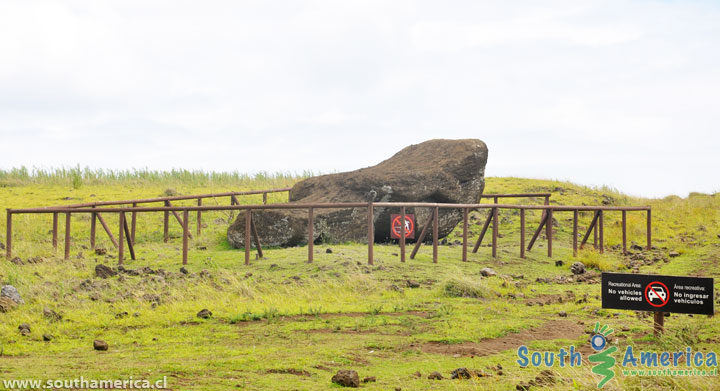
[281, 313]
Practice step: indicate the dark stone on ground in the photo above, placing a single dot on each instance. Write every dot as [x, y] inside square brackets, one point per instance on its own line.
[412, 284]
[559, 263]
[417, 374]
[24, 329]
[673, 254]
[328, 251]
[562, 314]
[17, 261]
[47, 337]
[577, 268]
[444, 171]
[121, 315]
[346, 378]
[461, 373]
[183, 270]
[103, 271]
[370, 379]
[11, 293]
[204, 313]
[100, 345]
[435, 376]
[100, 251]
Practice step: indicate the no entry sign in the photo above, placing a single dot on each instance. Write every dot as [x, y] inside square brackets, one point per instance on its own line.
[396, 227]
[646, 292]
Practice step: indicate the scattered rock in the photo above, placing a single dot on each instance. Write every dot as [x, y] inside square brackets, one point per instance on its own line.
[487, 272]
[103, 271]
[204, 314]
[100, 251]
[577, 268]
[435, 376]
[673, 254]
[121, 315]
[11, 293]
[47, 337]
[562, 314]
[183, 270]
[346, 378]
[370, 379]
[417, 374]
[412, 284]
[100, 345]
[24, 329]
[51, 315]
[17, 261]
[559, 262]
[329, 251]
[461, 373]
[6, 305]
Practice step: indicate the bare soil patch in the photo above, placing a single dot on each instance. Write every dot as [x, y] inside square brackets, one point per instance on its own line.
[554, 329]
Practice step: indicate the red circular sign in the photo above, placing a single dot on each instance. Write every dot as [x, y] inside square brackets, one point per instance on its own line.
[397, 228]
[657, 290]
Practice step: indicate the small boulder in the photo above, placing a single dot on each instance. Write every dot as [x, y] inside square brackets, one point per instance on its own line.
[562, 314]
[6, 305]
[24, 329]
[487, 272]
[100, 345]
[673, 254]
[103, 271]
[11, 293]
[559, 262]
[47, 337]
[328, 251]
[435, 376]
[577, 268]
[370, 379]
[461, 373]
[204, 314]
[17, 261]
[183, 270]
[100, 251]
[412, 284]
[346, 378]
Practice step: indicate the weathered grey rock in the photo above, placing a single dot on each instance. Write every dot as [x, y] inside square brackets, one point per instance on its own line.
[11, 293]
[577, 268]
[204, 314]
[442, 171]
[347, 378]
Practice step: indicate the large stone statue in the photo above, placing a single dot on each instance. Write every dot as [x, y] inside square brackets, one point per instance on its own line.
[443, 171]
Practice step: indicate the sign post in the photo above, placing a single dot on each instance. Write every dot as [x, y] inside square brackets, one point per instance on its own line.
[659, 294]
[396, 227]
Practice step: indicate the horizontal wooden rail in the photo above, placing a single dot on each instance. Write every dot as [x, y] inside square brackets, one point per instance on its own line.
[177, 198]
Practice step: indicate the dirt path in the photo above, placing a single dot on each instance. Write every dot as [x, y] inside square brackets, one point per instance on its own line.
[555, 329]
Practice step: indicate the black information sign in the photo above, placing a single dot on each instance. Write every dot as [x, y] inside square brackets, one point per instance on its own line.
[646, 292]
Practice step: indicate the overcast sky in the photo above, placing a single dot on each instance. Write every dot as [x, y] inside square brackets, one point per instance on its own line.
[618, 93]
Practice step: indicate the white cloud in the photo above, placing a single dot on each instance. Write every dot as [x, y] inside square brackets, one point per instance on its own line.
[621, 93]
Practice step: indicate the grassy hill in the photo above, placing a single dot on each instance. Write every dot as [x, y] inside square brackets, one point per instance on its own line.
[283, 324]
